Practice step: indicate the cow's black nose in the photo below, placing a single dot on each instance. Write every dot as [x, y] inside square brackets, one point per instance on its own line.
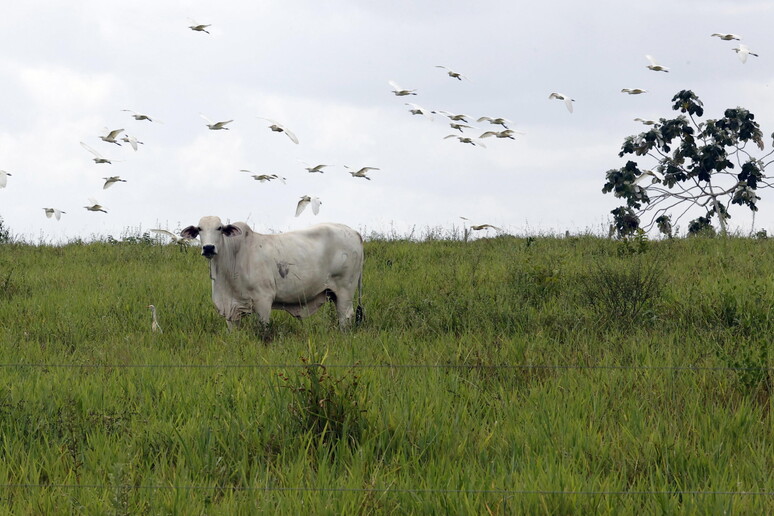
[208, 251]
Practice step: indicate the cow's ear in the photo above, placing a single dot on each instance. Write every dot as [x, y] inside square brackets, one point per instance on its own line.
[231, 230]
[189, 232]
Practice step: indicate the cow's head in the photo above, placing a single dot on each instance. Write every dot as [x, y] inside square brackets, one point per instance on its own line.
[211, 232]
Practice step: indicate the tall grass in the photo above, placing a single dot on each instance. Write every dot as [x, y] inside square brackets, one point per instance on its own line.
[491, 376]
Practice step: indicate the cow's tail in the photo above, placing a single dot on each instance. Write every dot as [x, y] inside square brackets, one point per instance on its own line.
[360, 311]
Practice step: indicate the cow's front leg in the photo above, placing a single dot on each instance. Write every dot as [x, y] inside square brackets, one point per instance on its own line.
[262, 309]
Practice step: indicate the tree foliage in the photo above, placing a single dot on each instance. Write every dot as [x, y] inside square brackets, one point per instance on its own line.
[699, 164]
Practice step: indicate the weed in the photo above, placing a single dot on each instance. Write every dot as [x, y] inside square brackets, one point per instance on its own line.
[329, 409]
[621, 294]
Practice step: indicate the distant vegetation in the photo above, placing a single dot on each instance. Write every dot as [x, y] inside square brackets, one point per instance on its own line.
[706, 165]
[503, 375]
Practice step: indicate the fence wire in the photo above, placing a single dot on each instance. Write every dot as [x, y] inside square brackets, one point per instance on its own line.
[12, 365]
[387, 490]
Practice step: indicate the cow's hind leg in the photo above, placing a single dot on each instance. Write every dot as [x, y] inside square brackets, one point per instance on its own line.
[344, 308]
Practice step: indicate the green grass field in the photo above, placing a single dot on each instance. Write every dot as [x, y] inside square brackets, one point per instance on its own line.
[499, 376]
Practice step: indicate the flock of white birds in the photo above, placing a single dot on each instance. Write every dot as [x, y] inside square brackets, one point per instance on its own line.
[460, 123]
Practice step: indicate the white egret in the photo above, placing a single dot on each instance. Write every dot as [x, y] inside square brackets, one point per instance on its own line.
[4, 178]
[142, 116]
[400, 92]
[743, 51]
[654, 176]
[727, 36]
[454, 116]
[361, 172]
[53, 212]
[98, 158]
[561, 96]
[416, 109]
[655, 66]
[110, 181]
[110, 137]
[307, 200]
[645, 122]
[633, 91]
[175, 238]
[216, 126]
[95, 206]
[131, 140]
[313, 169]
[458, 126]
[155, 328]
[199, 27]
[507, 133]
[264, 177]
[465, 139]
[452, 73]
[495, 120]
[279, 128]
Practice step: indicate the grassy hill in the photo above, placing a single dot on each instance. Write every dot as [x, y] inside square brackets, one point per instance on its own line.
[504, 376]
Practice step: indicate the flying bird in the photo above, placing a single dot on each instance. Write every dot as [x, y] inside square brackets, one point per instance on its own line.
[360, 172]
[110, 181]
[279, 128]
[495, 121]
[655, 66]
[633, 91]
[199, 27]
[452, 73]
[507, 133]
[653, 175]
[175, 238]
[400, 92]
[264, 177]
[216, 126]
[53, 212]
[315, 169]
[480, 227]
[455, 117]
[4, 178]
[155, 328]
[645, 122]
[727, 36]
[416, 109]
[95, 206]
[458, 126]
[131, 140]
[561, 96]
[141, 116]
[305, 201]
[110, 137]
[465, 139]
[98, 158]
[743, 51]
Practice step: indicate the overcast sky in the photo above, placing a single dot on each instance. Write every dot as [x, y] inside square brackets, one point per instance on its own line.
[322, 69]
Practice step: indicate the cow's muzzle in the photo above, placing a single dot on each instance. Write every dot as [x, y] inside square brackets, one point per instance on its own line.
[208, 251]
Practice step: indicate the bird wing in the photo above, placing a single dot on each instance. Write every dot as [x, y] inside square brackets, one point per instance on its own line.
[316, 205]
[165, 232]
[488, 134]
[652, 61]
[49, 212]
[290, 135]
[395, 86]
[112, 134]
[96, 154]
[302, 205]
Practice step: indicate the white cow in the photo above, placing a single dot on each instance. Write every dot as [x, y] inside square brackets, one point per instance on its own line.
[296, 271]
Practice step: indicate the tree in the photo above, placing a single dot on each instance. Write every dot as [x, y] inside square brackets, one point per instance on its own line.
[700, 164]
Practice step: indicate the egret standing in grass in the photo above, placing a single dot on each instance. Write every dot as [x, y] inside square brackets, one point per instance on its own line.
[155, 323]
